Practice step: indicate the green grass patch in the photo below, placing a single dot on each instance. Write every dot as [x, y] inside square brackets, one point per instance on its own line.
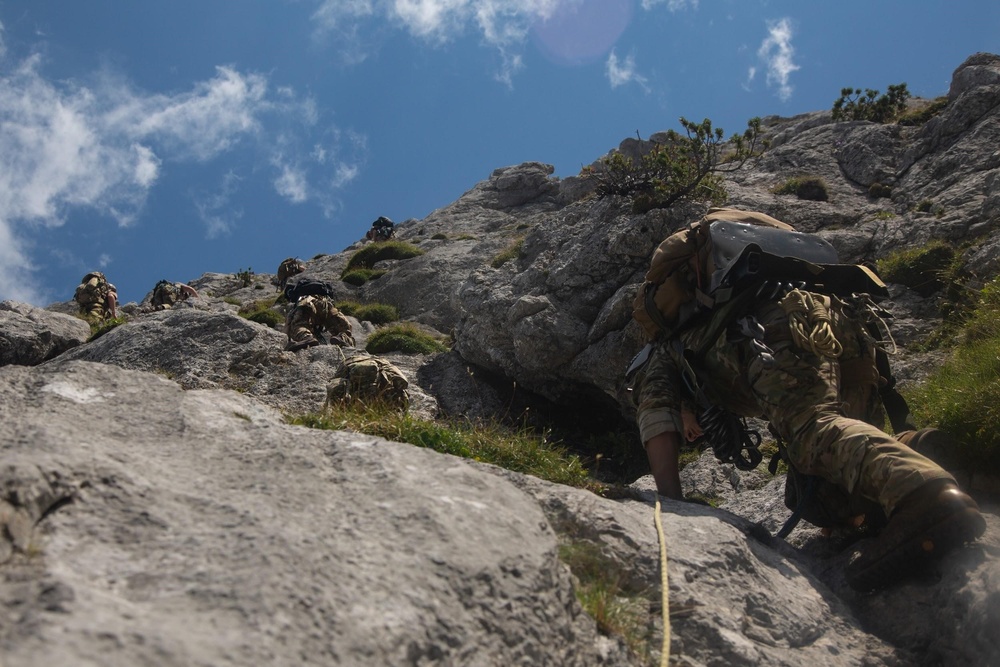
[602, 592]
[376, 313]
[811, 188]
[512, 251]
[925, 269]
[98, 329]
[521, 450]
[963, 396]
[403, 337]
[359, 277]
[921, 115]
[262, 312]
[372, 253]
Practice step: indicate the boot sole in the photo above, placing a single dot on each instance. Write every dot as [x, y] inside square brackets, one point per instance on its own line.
[922, 547]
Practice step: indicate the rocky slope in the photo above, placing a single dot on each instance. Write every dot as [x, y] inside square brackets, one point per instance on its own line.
[157, 509]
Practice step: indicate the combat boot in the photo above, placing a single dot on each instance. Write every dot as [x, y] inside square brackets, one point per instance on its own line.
[928, 523]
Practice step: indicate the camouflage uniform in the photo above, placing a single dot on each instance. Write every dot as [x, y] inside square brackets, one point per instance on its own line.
[288, 268]
[310, 316]
[803, 395]
[92, 295]
[366, 377]
[166, 294]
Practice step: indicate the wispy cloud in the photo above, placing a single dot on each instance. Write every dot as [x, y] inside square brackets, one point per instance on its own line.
[216, 210]
[672, 5]
[503, 24]
[777, 53]
[624, 72]
[103, 145]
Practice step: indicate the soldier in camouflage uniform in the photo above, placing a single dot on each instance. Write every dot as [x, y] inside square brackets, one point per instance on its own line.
[310, 317]
[97, 298]
[167, 294]
[288, 268]
[801, 392]
[368, 378]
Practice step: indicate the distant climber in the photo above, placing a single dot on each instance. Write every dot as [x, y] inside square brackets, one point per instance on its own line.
[382, 229]
[167, 294]
[288, 268]
[310, 317]
[97, 298]
[366, 378]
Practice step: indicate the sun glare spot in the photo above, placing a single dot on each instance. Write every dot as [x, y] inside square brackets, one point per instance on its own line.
[582, 32]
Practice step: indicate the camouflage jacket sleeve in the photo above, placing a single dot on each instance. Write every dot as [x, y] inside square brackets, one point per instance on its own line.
[660, 396]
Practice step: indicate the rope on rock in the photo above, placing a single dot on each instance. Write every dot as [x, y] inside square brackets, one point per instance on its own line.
[664, 586]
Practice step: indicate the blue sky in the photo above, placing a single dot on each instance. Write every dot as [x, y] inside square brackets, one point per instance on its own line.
[168, 139]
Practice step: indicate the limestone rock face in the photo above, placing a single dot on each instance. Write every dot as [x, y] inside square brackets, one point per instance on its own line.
[30, 335]
[148, 524]
[157, 508]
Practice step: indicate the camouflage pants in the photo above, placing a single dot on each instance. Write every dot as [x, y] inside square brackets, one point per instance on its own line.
[94, 312]
[300, 326]
[801, 394]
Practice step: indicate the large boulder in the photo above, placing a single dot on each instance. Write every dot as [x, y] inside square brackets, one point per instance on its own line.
[147, 524]
[31, 335]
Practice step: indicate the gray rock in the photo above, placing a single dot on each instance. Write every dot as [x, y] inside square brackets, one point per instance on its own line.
[30, 335]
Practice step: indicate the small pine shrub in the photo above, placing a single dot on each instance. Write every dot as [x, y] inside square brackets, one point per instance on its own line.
[811, 188]
[403, 337]
[925, 206]
[244, 276]
[440, 237]
[855, 104]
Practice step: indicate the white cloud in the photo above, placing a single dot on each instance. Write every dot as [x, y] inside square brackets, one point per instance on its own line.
[66, 145]
[215, 209]
[292, 184]
[621, 73]
[776, 51]
[672, 5]
[503, 24]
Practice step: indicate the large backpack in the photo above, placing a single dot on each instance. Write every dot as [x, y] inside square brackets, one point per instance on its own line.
[729, 251]
[92, 289]
[366, 377]
[306, 286]
[165, 293]
[288, 268]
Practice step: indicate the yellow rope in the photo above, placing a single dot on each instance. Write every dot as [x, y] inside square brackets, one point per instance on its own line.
[809, 321]
[664, 584]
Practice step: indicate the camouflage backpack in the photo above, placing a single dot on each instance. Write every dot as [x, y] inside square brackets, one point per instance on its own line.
[92, 289]
[365, 377]
[165, 294]
[706, 265]
[288, 268]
